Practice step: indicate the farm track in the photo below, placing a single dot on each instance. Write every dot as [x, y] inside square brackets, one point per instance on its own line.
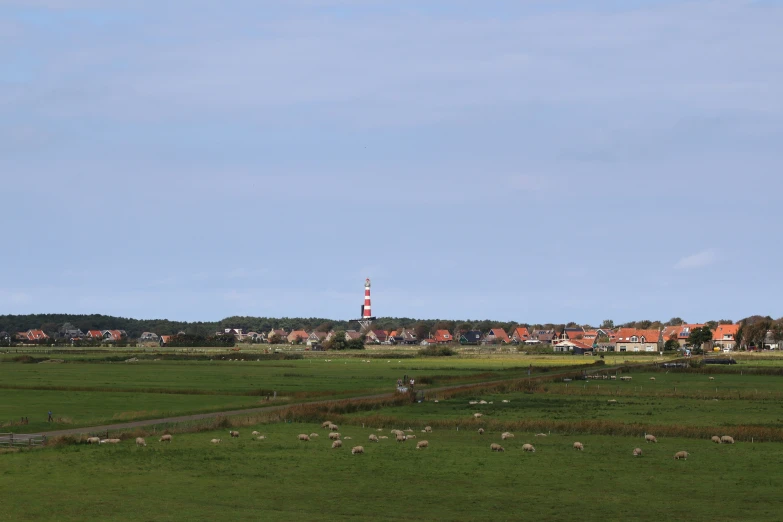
[269, 409]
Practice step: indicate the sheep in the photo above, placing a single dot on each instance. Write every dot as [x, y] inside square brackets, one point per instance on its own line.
[234, 434]
[681, 455]
[379, 429]
[326, 424]
[482, 402]
[712, 378]
[409, 430]
[477, 415]
[529, 447]
[727, 440]
[165, 438]
[337, 444]
[313, 435]
[373, 438]
[540, 435]
[346, 438]
[262, 437]
[652, 379]
[422, 444]
[650, 438]
[435, 401]
[716, 439]
[424, 431]
[496, 447]
[481, 431]
[397, 432]
[611, 401]
[110, 441]
[255, 433]
[334, 436]
[216, 441]
[357, 449]
[506, 400]
[401, 438]
[333, 427]
[472, 402]
[579, 446]
[303, 437]
[93, 440]
[140, 441]
[507, 435]
[383, 437]
[637, 452]
[428, 429]
[410, 437]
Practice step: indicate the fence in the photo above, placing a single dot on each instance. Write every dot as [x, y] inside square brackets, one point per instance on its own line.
[9, 440]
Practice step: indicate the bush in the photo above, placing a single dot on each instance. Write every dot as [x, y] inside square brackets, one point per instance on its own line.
[437, 351]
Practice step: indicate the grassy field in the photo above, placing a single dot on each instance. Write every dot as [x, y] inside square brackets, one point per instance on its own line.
[456, 478]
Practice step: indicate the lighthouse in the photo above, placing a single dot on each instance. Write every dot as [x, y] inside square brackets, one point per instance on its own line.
[366, 318]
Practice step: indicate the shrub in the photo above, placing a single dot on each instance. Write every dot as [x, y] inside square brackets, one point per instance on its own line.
[437, 351]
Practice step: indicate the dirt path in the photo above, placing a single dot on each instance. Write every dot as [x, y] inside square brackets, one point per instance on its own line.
[250, 411]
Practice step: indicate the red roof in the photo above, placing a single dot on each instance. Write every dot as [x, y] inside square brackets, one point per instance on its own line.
[36, 335]
[499, 334]
[576, 344]
[725, 332]
[298, 333]
[443, 336]
[94, 333]
[624, 335]
[521, 333]
[679, 332]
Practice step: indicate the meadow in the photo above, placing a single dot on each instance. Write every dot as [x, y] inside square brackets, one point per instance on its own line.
[456, 478]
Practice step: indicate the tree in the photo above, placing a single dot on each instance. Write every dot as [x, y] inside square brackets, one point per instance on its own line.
[355, 344]
[671, 345]
[337, 342]
[274, 339]
[674, 321]
[422, 331]
[608, 324]
[699, 336]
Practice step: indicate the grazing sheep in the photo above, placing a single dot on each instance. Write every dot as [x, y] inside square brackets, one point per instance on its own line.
[612, 401]
[422, 444]
[410, 437]
[234, 434]
[428, 429]
[472, 402]
[333, 427]
[652, 379]
[94, 440]
[436, 400]
[496, 447]
[337, 444]
[424, 431]
[313, 435]
[579, 446]
[140, 441]
[650, 438]
[481, 431]
[507, 435]
[357, 449]
[334, 436]
[727, 440]
[347, 438]
[111, 441]
[216, 441]
[712, 378]
[401, 438]
[326, 424]
[304, 437]
[506, 400]
[165, 438]
[637, 452]
[716, 439]
[256, 433]
[540, 434]
[379, 429]
[373, 438]
[477, 415]
[482, 402]
[529, 447]
[681, 455]
[409, 430]
[383, 437]
[261, 437]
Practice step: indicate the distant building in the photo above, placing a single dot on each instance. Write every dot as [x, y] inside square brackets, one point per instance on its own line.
[638, 340]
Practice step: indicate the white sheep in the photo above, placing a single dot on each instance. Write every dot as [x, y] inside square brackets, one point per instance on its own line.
[346, 438]
[165, 438]
[313, 435]
[496, 447]
[472, 402]
[401, 438]
[234, 434]
[410, 436]
[303, 437]
[716, 439]
[373, 437]
[652, 379]
[255, 433]
[110, 441]
[477, 415]
[428, 429]
[482, 402]
[481, 431]
[529, 447]
[422, 444]
[334, 436]
[357, 449]
[637, 452]
[681, 455]
[540, 435]
[383, 437]
[333, 427]
[337, 444]
[140, 441]
[712, 378]
[262, 437]
[216, 441]
[506, 400]
[612, 401]
[507, 435]
[650, 438]
[93, 440]
[326, 424]
[727, 440]
[579, 446]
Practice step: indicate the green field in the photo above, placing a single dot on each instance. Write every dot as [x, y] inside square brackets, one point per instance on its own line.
[456, 478]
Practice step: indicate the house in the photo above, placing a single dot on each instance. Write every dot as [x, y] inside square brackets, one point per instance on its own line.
[573, 334]
[5, 338]
[148, 337]
[351, 335]
[575, 347]
[376, 336]
[680, 333]
[638, 340]
[32, 336]
[316, 338]
[470, 337]
[496, 336]
[407, 336]
[723, 338]
[238, 333]
[256, 337]
[443, 337]
[281, 335]
[544, 336]
[297, 337]
[112, 335]
[72, 334]
[94, 334]
[429, 342]
[590, 337]
[520, 335]
[165, 339]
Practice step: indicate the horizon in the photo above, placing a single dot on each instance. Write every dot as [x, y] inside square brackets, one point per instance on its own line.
[527, 161]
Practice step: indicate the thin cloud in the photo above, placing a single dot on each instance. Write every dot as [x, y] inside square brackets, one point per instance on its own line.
[702, 259]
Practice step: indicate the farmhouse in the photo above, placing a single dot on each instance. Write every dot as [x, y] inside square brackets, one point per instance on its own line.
[637, 340]
[297, 337]
[575, 347]
[723, 337]
[32, 336]
[316, 338]
[443, 337]
[376, 336]
[679, 333]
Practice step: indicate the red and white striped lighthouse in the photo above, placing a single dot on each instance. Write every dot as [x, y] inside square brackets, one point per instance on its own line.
[366, 310]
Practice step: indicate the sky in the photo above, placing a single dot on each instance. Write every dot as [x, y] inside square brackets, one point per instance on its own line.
[528, 160]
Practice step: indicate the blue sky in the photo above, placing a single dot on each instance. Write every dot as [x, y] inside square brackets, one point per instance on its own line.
[535, 161]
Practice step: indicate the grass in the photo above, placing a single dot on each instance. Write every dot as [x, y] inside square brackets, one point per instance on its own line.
[456, 478]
